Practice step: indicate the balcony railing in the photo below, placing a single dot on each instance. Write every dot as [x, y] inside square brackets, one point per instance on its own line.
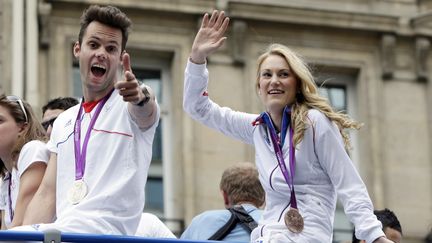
[55, 236]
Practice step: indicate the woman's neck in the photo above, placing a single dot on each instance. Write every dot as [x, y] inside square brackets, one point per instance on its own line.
[277, 120]
[8, 162]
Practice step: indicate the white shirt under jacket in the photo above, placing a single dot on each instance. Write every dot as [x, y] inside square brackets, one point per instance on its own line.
[323, 169]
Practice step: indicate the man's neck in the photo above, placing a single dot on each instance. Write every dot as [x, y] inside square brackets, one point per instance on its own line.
[242, 202]
[90, 96]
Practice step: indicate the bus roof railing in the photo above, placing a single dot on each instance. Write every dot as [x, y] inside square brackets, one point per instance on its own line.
[55, 236]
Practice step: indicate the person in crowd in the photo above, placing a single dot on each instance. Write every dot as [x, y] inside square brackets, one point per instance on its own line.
[100, 149]
[23, 156]
[151, 226]
[390, 225]
[239, 186]
[53, 108]
[299, 140]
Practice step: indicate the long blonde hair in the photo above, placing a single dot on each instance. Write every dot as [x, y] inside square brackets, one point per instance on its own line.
[307, 96]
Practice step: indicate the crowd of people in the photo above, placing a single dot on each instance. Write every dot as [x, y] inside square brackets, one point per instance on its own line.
[53, 178]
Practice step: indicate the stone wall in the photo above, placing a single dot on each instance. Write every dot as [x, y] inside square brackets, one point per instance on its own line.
[6, 45]
[1, 45]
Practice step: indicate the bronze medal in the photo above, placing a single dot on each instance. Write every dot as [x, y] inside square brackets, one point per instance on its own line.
[294, 220]
[77, 192]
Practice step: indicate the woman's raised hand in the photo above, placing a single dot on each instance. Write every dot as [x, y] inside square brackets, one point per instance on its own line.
[209, 37]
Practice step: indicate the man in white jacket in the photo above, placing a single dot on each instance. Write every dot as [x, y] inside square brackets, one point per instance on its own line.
[101, 149]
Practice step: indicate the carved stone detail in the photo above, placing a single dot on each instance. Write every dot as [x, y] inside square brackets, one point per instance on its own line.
[422, 46]
[239, 30]
[222, 4]
[44, 10]
[388, 45]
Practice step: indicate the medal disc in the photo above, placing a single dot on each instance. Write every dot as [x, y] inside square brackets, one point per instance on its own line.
[77, 192]
[294, 221]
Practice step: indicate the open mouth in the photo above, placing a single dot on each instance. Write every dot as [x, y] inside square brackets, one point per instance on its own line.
[98, 70]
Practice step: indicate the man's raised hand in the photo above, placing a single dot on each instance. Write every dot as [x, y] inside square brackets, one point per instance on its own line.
[129, 87]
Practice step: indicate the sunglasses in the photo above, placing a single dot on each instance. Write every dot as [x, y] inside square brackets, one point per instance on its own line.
[48, 123]
[21, 104]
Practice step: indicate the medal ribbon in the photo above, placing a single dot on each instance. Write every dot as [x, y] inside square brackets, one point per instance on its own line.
[278, 144]
[80, 155]
[11, 211]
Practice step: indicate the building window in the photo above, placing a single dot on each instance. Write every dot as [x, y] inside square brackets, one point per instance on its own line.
[76, 84]
[154, 194]
[336, 95]
[154, 186]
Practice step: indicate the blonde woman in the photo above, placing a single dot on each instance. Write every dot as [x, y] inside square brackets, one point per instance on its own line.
[23, 158]
[299, 142]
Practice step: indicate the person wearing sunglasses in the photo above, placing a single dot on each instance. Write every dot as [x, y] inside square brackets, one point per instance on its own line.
[52, 110]
[23, 156]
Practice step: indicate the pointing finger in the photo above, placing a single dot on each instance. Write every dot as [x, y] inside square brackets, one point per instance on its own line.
[127, 67]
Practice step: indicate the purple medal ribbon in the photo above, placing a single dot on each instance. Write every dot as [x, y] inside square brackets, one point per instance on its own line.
[11, 212]
[80, 156]
[288, 175]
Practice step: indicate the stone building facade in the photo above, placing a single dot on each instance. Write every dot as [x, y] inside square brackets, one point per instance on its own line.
[1, 40]
[371, 56]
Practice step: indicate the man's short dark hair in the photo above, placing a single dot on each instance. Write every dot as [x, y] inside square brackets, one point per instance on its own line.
[61, 103]
[107, 15]
[387, 218]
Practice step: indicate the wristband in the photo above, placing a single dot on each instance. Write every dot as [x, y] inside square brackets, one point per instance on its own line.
[146, 96]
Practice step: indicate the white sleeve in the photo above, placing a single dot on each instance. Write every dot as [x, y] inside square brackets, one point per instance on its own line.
[132, 120]
[151, 226]
[31, 152]
[347, 182]
[199, 106]
[51, 145]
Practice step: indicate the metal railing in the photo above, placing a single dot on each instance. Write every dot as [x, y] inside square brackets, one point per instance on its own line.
[55, 236]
